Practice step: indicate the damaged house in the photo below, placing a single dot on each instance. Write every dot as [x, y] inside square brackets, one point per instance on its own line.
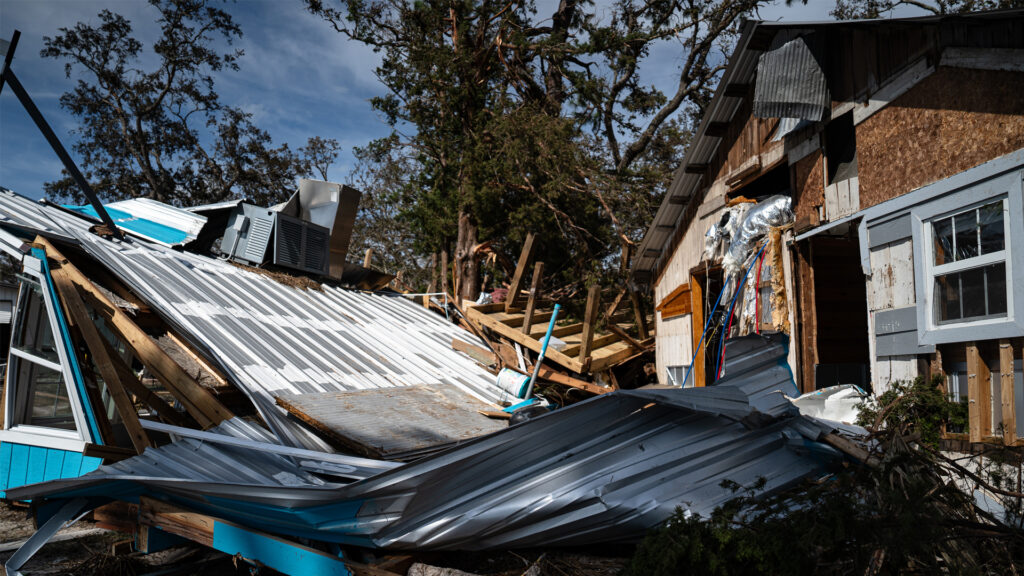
[858, 186]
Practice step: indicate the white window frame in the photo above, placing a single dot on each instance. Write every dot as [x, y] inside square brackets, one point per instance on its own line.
[953, 196]
[58, 438]
[932, 270]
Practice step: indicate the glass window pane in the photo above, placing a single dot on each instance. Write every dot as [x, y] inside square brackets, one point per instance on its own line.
[942, 232]
[996, 276]
[947, 297]
[47, 403]
[972, 291]
[965, 226]
[992, 229]
[32, 333]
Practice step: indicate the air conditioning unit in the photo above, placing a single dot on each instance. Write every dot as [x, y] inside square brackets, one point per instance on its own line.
[297, 244]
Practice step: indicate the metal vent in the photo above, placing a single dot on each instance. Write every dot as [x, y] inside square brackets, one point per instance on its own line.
[301, 245]
[258, 239]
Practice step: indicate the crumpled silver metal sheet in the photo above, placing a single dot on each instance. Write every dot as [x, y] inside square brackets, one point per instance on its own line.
[269, 338]
[605, 470]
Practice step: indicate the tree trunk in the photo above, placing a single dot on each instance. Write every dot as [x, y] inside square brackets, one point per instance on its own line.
[466, 263]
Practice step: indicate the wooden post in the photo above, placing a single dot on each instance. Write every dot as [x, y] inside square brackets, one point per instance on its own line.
[368, 258]
[1006, 383]
[531, 302]
[697, 329]
[444, 271]
[638, 315]
[433, 280]
[615, 303]
[94, 342]
[589, 322]
[517, 278]
[979, 390]
[200, 403]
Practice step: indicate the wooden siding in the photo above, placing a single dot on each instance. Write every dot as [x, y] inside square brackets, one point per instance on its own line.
[21, 465]
[952, 121]
[890, 286]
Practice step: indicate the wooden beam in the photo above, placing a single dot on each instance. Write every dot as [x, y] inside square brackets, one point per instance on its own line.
[518, 319]
[191, 353]
[615, 304]
[614, 329]
[517, 279]
[559, 378]
[1006, 353]
[589, 322]
[108, 453]
[638, 315]
[979, 391]
[596, 343]
[716, 129]
[559, 331]
[515, 335]
[154, 401]
[94, 343]
[531, 302]
[199, 402]
[178, 521]
[481, 355]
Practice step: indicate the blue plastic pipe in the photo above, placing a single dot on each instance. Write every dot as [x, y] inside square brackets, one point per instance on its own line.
[543, 350]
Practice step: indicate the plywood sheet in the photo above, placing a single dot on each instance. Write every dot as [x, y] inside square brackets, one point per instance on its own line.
[394, 422]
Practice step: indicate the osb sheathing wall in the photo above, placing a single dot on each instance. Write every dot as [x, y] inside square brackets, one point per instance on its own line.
[953, 120]
[809, 190]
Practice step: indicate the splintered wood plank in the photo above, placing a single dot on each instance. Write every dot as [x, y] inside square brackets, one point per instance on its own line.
[979, 391]
[1006, 383]
[178, 521]
[531, 302]
[639, 317]
[394, 422]
[611, 355]
[517, 278]
[515, 335]
[546, 373]
[596, 343]
[589, 322]
[94, 342]
[200, 403]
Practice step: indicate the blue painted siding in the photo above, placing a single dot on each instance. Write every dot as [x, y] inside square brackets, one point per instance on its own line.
[281, 555]
[21, 465]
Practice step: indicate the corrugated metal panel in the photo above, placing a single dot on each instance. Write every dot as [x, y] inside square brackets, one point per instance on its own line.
[269, 338]
[607, 469]
[791, 83]
[152, 220]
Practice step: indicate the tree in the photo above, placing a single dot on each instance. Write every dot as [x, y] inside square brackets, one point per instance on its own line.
[140, 131]
[320, 153]
[518, 119]
[854, 9]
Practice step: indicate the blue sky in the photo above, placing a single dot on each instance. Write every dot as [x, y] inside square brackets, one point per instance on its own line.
[298, 77]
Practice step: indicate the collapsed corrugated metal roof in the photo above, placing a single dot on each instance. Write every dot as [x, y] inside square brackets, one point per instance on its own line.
[151, 220]
[606, 469]
[269, 338]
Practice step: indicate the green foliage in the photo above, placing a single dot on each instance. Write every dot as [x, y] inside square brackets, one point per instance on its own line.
[921, 405]
[902, 513]
[141, 129]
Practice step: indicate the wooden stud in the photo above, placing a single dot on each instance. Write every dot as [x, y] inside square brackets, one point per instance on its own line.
[199, 402]
[94, 342]
[559, 378]
[531, 302]
[368, 258]
[108, 453]
[614, 329]
[615, 303]
[979, 391]
[187, 348]
[639, 316]
[517, 279]
[444, 271]
[134, 386]
[1006, 383]
[697, 328]
[589, 322]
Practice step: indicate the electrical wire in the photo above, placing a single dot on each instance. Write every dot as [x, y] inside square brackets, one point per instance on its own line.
[739, 289]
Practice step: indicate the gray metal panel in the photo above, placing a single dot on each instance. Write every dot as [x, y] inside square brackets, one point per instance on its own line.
[896, 320]
[900, 344]
[889, 231]
[790, 83]
[606, 469]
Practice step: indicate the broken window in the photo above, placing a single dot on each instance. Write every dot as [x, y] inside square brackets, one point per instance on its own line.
[40, 394]
[969, 257]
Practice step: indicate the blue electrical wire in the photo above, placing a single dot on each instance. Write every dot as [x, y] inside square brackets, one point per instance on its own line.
[707, 324]
[732, 306]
